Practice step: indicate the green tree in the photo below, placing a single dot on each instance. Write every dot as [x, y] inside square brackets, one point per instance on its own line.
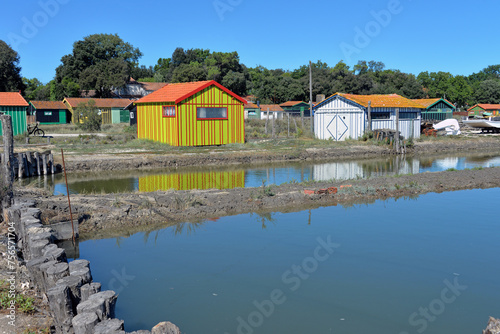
[98, 55]
[488, 92]
[104, 76]
[36, 90]
[189, 73]
[66, 88]
[10, 71]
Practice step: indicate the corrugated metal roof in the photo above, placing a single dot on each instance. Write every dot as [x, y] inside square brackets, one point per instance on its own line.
[48, 105]
[178, 92]
[378, 101]
[99, 103]
[12, 99]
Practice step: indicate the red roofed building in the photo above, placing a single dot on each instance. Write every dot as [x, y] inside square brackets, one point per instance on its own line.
[191, 114]
[49, 112]
[15, 105]
[112, 110]
[343, 116]
[484, 109]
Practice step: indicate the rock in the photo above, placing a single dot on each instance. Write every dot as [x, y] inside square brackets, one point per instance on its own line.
[165, 327]
[493, 326]
[85, 323]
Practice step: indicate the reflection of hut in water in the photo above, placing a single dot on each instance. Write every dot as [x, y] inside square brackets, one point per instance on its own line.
[353, 169]
[195, 180]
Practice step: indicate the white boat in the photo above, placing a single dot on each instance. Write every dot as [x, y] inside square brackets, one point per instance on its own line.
[483, 124]
[450, 125]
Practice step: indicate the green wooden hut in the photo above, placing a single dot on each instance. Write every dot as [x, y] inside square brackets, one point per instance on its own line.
[296, 108]
[436, 109]
[49, 112]
[252, 111]
[484, 110]
[15, 105]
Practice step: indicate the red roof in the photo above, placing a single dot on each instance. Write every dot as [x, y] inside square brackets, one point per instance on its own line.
[12, 99]
[178, 92]
[48, 105]
[486, 106]
[381, 101]
[291, 103]
[99, 103]
[251, 105]
[272, 107]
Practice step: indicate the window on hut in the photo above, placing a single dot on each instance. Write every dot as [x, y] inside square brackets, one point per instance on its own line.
[211, 113]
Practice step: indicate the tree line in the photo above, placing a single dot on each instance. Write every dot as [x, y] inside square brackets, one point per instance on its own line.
[102, 62]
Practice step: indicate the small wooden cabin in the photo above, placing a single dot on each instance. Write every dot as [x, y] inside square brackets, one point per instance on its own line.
[192, 114]
[296, 108]
[49, 112]
[112, 110]
[15, 105]
[484, 109]
[343, 116]
[436, 109]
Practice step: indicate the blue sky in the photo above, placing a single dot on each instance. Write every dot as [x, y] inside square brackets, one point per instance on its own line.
[410, 35]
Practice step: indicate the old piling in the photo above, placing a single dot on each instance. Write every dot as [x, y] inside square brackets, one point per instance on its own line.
[77, 305]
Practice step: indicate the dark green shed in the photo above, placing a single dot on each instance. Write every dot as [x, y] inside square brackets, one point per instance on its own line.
[15, 105]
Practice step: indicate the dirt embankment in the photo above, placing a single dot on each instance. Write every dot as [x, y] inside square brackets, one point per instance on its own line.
[97, 162]
[119, 214]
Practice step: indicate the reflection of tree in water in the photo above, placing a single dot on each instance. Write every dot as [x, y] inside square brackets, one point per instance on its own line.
[263, 218]
[187, 228]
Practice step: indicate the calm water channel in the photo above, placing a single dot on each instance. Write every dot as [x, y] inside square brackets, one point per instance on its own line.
[408, 266]
[251, 176]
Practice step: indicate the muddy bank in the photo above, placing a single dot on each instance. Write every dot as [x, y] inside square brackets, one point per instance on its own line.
[119, 214]
[141, 160]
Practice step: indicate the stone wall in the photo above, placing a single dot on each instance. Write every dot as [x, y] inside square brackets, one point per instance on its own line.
[77, 304]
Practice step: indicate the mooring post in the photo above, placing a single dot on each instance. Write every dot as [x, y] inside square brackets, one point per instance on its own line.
[30, 168]
[7, 160]
[20, 164]
[51, 162]
[44, 161]
[37, 162]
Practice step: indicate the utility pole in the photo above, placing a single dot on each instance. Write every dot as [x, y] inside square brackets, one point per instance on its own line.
[370, 116]
[396, 139]
[311, 98]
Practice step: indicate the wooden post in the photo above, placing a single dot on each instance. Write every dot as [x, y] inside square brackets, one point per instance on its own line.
[37, 162]
[288, 128]
[296, 130]
[7, 160]
[30, 168]
[370, 116]
[311, 98]
[396, 139]
[44, 161]
[51, 162]
[20, 165]
[274, 125]
[267, 119]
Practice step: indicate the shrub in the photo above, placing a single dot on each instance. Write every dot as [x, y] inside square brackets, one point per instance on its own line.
[90, 118]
